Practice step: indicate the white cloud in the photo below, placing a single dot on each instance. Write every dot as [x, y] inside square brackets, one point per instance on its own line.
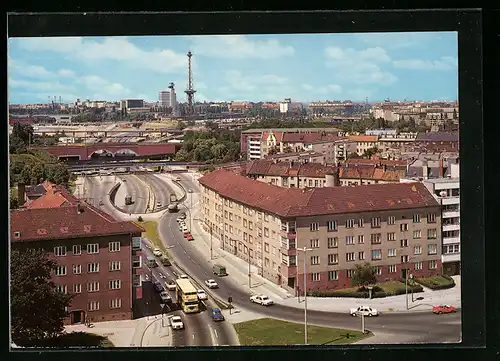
[444, 63]
[248, 83]
[400, 40]
[239, 46]
[66, 73]
[359, 66]
[60, 45]
[103, 87]
[327, 89]
[52, 86]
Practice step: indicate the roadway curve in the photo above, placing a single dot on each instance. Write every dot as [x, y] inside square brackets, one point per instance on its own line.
[139, 192]
[160, 188]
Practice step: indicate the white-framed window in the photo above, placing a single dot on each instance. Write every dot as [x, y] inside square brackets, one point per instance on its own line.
[77, 269]
[350, 257]
[391, 252]
[315, 276]
[403, 227]
[314, 243]
[377, 270]
[416, 218]
[93, 248]
[418, 266]
[417, 250]
[376, 238]
[361, 255]
[60, 271]
[93, 305]
[93, 286]
[62, 288]
[333, 242]
[404, 243]
[451, 249]
[116, 303]
[361, 223]
[350, 273]
[404, 259]
[115, 266]
[77, 249]
[375, 222]
[314, 226]
[391, 236]
[432, 233]
[332, 226]
[136, 280]
[392, 268]
[349, 240]
[333, 275]
[266, 247]
[417, 234]
[92, 267]
[60, 251]
[333, 258]
[431, 218]
[136, 261]
[115, 284]
[314, 260]
[376, 254]
[432, 249]
[77, 288]
[266, 232]
[114, 246]
[349, 223]
[391, 220]
[361, 239]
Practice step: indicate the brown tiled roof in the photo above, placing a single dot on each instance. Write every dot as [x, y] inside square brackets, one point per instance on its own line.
[308, 137]
[278, 135]
[54, 197]
[288, 169]
[363, 138]
[296, 202]
[65, 222]
[373, 162]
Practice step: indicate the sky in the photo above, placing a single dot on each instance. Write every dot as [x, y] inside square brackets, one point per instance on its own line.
[304, 67]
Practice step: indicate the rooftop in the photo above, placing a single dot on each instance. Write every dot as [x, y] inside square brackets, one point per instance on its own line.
[257, 130]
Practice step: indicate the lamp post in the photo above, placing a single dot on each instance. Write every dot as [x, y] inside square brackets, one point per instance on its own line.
[191, 210]
[211, 232]
[406, 280]
[305, 250]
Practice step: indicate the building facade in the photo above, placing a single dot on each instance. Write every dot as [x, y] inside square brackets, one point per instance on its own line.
[395, 227]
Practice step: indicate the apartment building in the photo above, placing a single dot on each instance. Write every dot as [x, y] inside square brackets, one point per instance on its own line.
[395, 227]
[363, 142]
[98, 257]
[334, 151]
[298, 157]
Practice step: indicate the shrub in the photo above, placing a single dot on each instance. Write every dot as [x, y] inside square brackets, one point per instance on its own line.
[435, 285]
[139, 219]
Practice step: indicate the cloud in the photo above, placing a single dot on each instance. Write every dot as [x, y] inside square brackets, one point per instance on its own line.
[327, 89]
[248, 83]
[102, 87]
[66, 73]
[52, 86]
[239, 47]
[359, 66]
[400, 40]
[444, 63]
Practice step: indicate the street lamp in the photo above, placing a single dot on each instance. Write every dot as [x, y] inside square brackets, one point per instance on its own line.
[191, 210]
[406, 280]
[305, 250]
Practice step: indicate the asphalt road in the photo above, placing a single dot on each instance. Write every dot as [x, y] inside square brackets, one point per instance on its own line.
[161, 189]
[139, 192]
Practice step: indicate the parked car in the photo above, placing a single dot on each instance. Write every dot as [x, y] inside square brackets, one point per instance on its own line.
[186, 234]
[158, 286]
[165, 297]
[261, 300]
[202, 295]
[178, 179]
[443, 309]
[171, 285]
[176, 322]
[184, 229]
[157, 252]
[165, 261]
[180, 219]
[211, 284]
[184, 277]
[217, 315]
[158, 204]
[190, 237]
[363, 310]
[183, 216]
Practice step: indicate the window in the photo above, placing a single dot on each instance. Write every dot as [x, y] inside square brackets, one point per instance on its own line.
[349, 257]
[391, 220]
[376, 238]
[432, 264]
[333, 242]
[417, 234]
[392, 268]
[431, 249]
[115, 266]
[451, 248]
[417, 250]
[93, 286]
[62, 288]
[266, 217]
[292, 260]
[273, 252]
[349, 223]
[333, 258]
[314, 226]
[331, 226]
[403, 227]
[115, 284]
[93, 267]
[136, 261]
[431, 218]
[136, 280]
[416, 218]
[116, 303]
[376, 254]
[418, 266]
[361, 239]
[432, 233]
[404, 259]
[60, 251]
[93, 248]
[350, 273]
[250, 225]
[361, 256]
[333, 275]
[77, 288]
[245, 223]
[60, 271]
[77, 269]
[377, 270]
[94, 306]
[391, 236]
[349, 240]
[114, 246]
[375, 221]
[315, 276]
[404, 243]
[266, 232]
[391, 252]
[266, 247]
[360, 223]
[314, 243]
[77, 249]
[314, 260]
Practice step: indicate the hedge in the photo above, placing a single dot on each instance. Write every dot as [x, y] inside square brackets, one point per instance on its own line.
[377, 292]
[433, 286]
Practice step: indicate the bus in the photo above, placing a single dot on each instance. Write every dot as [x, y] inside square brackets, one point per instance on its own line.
[186, 296]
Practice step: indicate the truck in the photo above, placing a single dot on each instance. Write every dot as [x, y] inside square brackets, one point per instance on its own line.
[157, 168]
[173, 207]
[219, 270]
[173, 198]
[128, 200]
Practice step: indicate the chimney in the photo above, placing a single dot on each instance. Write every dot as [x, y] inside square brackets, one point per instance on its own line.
[21, 193]
[425, 169]
[80, 208]
[441, 169]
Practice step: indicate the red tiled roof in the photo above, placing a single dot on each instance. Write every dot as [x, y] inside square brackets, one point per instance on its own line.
[65, 222]
[373, 162]
[296, 202]
[54, 197]
[288, 169]
[363, 138]
[308, 137]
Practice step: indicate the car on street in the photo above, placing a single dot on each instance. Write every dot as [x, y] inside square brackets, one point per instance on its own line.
[157, 252]
[171, 285]
[184, 277]
[101, 202]
[443, 309]
[158, 204]
[186, 234]
[363, 310]
[180, 220]
[183, 215]
[165, 261]
[176, 322]
[158, 286]
[178, 179]
[261, 300]
[211, 284]
[190, 237]
[165, 297]
[217, 315]
[184, 229]
[202, 295]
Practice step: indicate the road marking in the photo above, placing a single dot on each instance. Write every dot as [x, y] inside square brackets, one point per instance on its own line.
[216, 335]
[193, 336]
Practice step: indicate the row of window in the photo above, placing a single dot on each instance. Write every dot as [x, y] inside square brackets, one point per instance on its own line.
[113, 304]
[92, 248]
[376, 238]
[375, 222]
[91, 268]
[92, 286]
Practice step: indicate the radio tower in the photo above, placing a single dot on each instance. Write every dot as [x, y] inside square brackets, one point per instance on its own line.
[190, 91]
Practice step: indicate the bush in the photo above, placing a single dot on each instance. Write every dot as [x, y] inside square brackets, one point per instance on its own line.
[363, 292]
[437, 282]
[139, 219]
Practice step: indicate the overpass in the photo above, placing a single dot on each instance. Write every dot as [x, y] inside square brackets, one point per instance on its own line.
[83, 152]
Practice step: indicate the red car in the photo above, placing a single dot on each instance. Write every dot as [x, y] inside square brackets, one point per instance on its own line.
[190, 237]
[186, 234]
[443, 309]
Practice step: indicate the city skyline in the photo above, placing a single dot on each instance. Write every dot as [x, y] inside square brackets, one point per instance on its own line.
[303, 67]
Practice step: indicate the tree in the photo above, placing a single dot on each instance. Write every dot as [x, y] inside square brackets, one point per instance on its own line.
[370, 152]
[37, 308]
[364, 275]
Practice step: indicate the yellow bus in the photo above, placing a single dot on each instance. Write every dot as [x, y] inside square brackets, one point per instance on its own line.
[187, 297]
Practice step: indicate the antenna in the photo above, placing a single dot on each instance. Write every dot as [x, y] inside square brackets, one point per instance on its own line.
[190, 91]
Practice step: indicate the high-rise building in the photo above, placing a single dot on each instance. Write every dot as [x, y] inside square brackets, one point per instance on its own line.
[167, 98]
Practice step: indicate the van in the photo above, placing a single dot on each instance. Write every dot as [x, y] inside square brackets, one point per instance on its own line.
[219, 270]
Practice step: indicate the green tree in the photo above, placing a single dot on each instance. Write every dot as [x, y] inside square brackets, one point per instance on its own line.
[364, 275]
[370, 152]
[23, 132]
[58, 173]
[219, 151]
[182, 155]
[14, 203]
[37, 308]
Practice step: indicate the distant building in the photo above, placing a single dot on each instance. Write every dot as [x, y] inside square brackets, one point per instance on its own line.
[131, 103]
[286, 106]
[167, 98]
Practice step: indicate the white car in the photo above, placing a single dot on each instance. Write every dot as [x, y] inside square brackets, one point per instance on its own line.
[262, 300]
[165, 297]
[157, 252]
[171, 285]
[211, 284]
[202, 295]
[184, 229]
[176, 322]
[363, 310]
[184, 277]
[180, 220]
[158, 204]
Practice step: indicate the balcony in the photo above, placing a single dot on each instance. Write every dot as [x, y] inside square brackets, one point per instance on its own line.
[288, 234]
[288, 271]
[450, 257]
[288, 251]
[451, 227]
[451, 214]
[450, 200]
[451, 240]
